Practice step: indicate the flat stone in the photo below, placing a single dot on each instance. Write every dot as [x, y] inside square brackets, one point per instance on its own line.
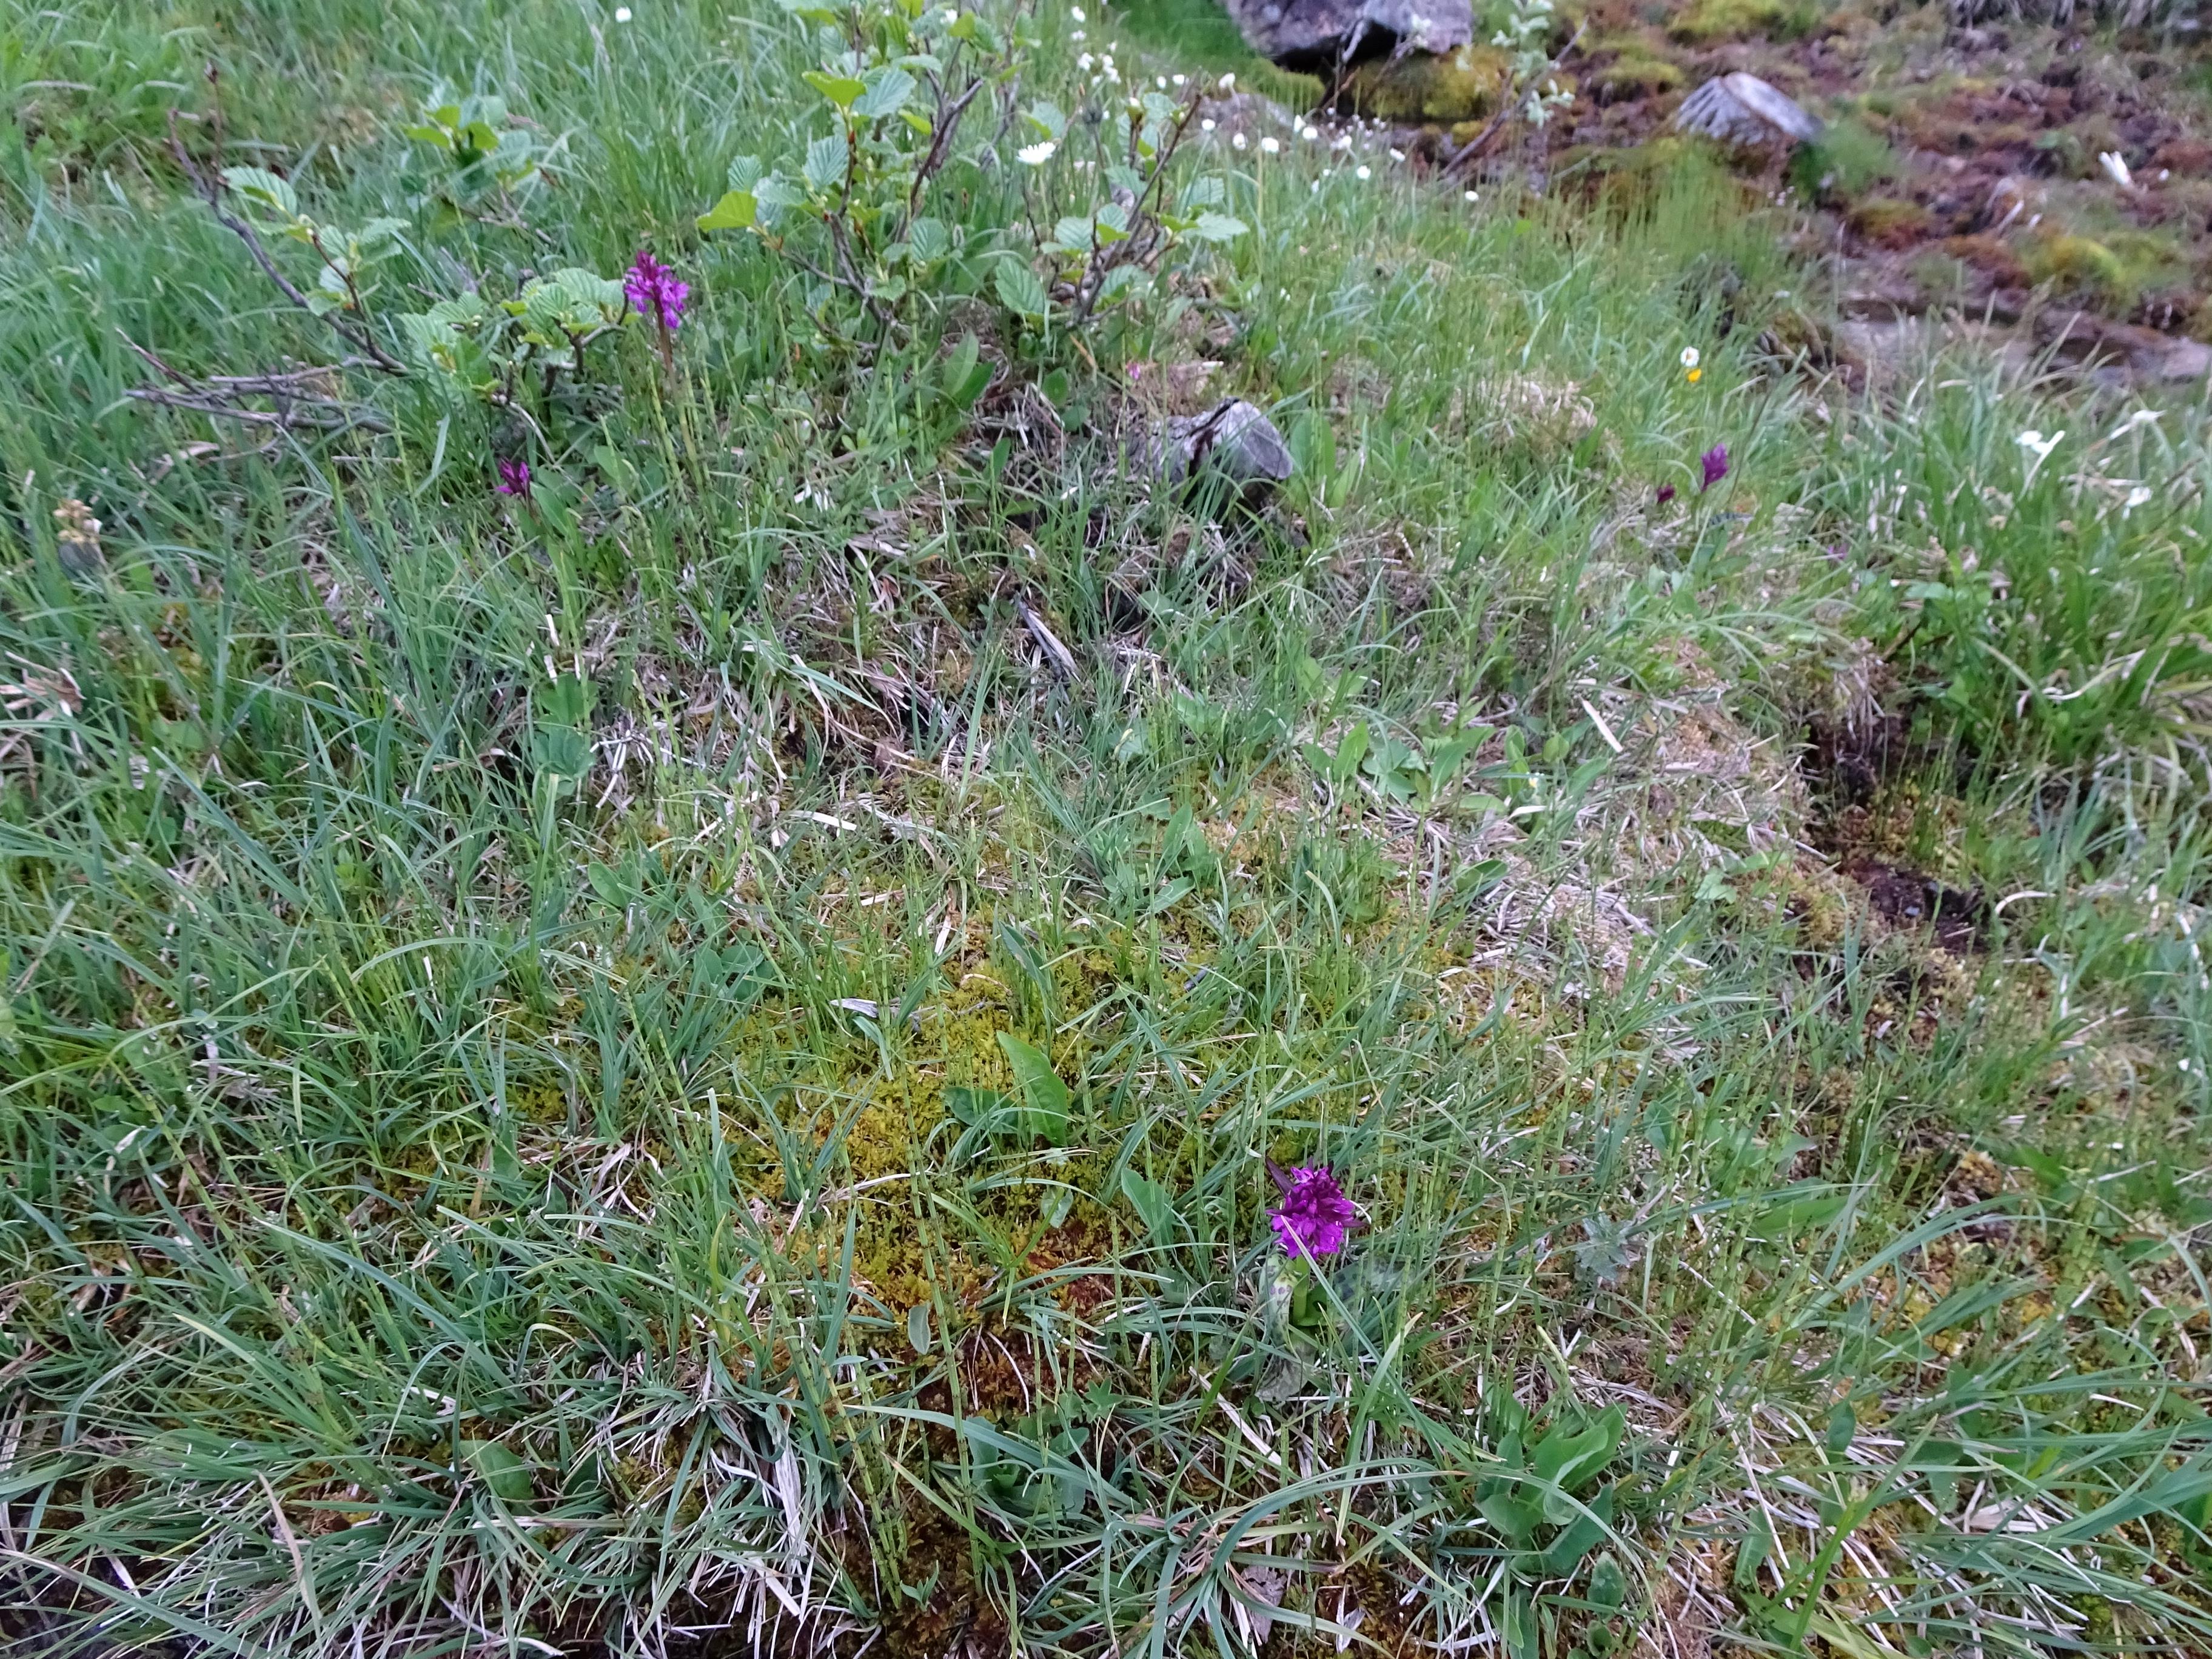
[1742, 109]
[1233, 440]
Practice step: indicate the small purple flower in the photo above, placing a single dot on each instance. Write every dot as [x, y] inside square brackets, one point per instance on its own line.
[514, 478]
[1666, 494]
[1315, 1214]
[1715, 463]
[654, 293]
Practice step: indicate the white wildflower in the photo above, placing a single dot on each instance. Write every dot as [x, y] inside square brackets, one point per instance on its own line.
[1470, 196]
[1037, 155]
[1076, 12]
[1362, 171]
[1238, 141]
[2139, 496]
[2115, 168]
[1207, 125]
[1085, 62]
[2039, 446]
[1079, 34]
[1271, 144]
[621, 13]
[1689, 356]
[1397, 154]
[1229, 83]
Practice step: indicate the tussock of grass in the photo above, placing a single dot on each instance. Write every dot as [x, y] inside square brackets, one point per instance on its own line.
[447, 1213]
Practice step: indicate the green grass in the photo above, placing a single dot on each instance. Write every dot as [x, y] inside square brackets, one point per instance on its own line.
[447, 1213]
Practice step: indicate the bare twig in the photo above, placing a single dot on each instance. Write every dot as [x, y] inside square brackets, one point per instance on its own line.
[1474, 147]
[210, 191]
[299, 402]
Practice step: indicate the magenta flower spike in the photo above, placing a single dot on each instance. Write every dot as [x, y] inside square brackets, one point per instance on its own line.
[514, 478]
[1715, 463]
[654, 292]
[1315, 1216]
[1666, 494]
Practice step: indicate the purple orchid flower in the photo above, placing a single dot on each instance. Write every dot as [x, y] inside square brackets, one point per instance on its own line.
[514, 478]
[1666, 494]
[1316, 1215]
[1715, 463]
[654, 293]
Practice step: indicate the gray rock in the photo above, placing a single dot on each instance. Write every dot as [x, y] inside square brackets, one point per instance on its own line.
[1319, 34]
[1232, 441]
[1742, 109]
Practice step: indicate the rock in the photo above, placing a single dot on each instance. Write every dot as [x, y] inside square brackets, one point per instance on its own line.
[2127, 354]
[1321, 34]
[1742, 109]
[1232, 441]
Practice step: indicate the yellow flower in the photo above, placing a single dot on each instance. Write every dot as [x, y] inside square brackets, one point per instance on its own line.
[1696, 375]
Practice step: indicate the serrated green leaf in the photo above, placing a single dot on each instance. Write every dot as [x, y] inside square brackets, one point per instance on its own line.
[1122, 282]
[1048, 117]
[1214, 227]
[263, 189]
[745, 172]
[886, 93]
[1021, 290]
[825, 163]
[928, 240]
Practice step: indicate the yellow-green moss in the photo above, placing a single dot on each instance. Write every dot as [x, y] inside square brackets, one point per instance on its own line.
[1635, 73]
[1707, 22]
[1466, 86]
[2082, 265]
[1890, 222]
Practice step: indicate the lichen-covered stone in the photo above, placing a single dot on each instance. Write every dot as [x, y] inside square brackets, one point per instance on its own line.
[1742, 109]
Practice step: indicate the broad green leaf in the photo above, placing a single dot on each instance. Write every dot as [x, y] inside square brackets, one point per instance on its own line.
[928, 240]
[738, 210]
[1048, 117]
[1204, 192]
[378, 233]
[1123, 281]
[263, 189]
[972, 1106]
[1021, 290]
[1042, 1092]
[1214, 227]
[839, 90]
[1516, 1518]
[500, 1469]
[886, 93]
[1567, 1458]
[1582, 1533]
[825, 163]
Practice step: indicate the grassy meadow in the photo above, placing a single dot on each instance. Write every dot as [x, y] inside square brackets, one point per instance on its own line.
[684, 1060]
